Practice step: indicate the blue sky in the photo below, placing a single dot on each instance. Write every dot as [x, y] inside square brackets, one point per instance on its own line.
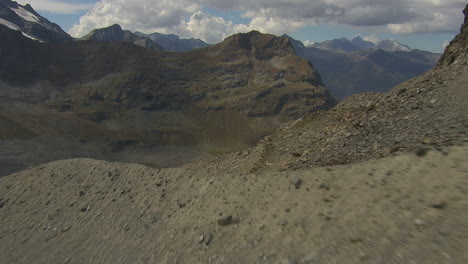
[421, 24]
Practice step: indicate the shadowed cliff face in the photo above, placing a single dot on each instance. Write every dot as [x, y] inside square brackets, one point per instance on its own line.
[236, 91]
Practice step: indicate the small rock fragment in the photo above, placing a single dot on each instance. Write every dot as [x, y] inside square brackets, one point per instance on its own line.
[439, 205]
[418, 222]
[297, 183]
[208, 238]
[226, 220]
[421, 152]
[324, 186]
[85, 208]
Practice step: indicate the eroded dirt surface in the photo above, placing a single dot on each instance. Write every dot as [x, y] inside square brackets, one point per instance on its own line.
[401, 209]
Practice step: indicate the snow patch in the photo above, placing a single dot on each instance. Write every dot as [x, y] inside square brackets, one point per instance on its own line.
[400, 47]
[9, 25]
[13, 26]
[28, 16]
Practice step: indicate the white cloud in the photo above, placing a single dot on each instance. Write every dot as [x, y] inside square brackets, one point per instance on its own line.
[428, 23]
[142, 15]
[307, 43]
[58, 7]
[445, 44]
[192, 18]
[372, 38]
[208, 27]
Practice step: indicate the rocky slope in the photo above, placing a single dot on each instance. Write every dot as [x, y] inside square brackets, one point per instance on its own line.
[394, 210]
[116, 33]
[32, 25]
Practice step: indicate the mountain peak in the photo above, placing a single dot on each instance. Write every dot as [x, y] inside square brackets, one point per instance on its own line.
[362, 44]
[32, 25]
[392, 45]
[115, 27]
[110, 33]
[259, 45]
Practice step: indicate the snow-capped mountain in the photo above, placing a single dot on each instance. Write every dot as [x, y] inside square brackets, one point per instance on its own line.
[358, 44]
[341, 44]
[30, 23]
[354, 66]
[392, 45]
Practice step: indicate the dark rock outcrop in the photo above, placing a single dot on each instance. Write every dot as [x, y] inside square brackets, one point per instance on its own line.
[456, 51]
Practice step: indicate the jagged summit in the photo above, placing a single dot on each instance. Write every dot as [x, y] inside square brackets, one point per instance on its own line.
[116, 33]
[363, 44]
[32, 25]
[256, 44]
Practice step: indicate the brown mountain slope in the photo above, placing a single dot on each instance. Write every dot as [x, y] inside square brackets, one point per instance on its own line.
[427, 112]
[394, 210]
[259, 76]
[215, 99]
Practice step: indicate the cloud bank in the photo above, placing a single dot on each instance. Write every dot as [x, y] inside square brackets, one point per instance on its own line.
[198, 19]
[59, 7]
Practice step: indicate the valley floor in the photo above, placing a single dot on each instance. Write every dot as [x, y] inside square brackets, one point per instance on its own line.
[399, 209]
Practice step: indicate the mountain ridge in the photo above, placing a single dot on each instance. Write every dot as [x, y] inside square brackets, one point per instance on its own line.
[369, 70]
[359, 44]
[171, 42]
[116, 33]
[32, 25]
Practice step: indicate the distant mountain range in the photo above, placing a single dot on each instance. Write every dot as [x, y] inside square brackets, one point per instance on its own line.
[115, 33]
[171, 42]
[346, 66]
[354, 66]
[156, 41]
[359, 44]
